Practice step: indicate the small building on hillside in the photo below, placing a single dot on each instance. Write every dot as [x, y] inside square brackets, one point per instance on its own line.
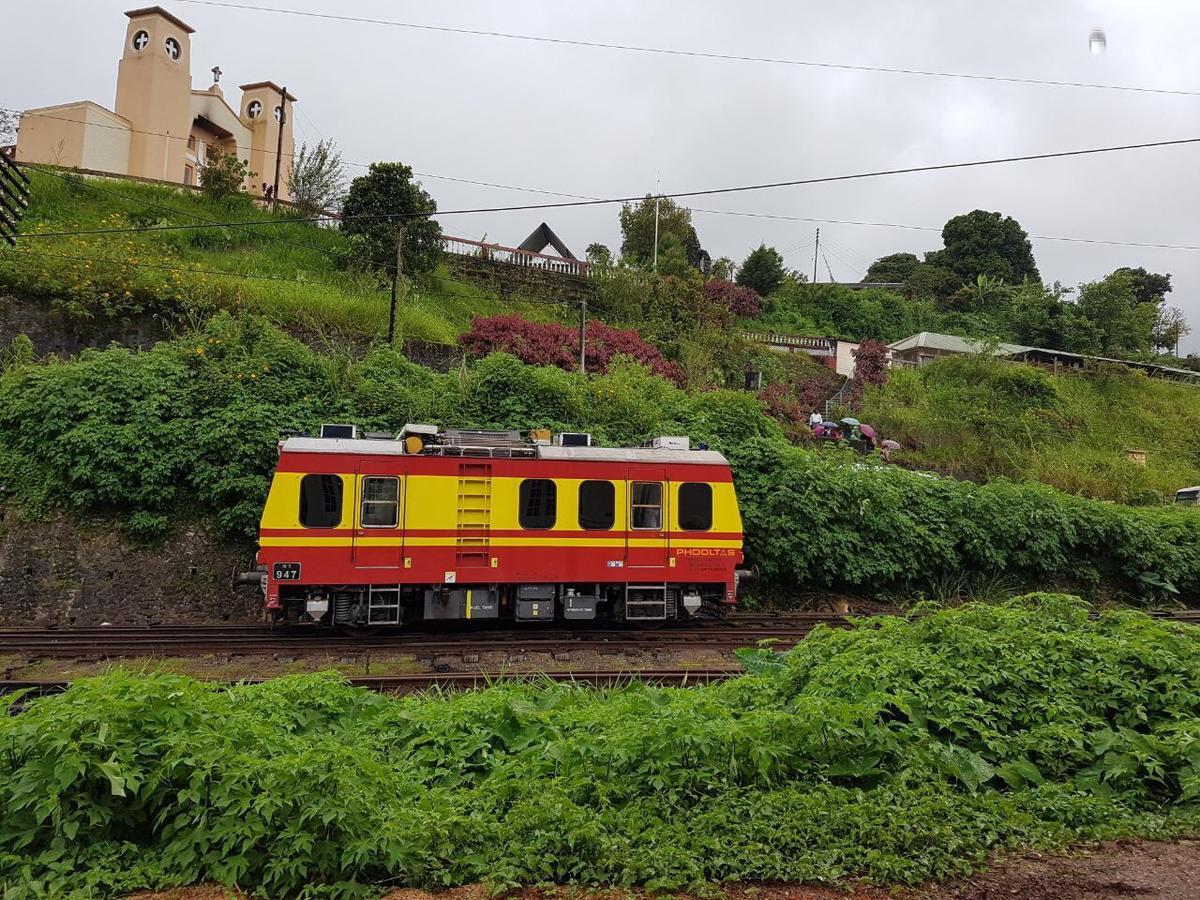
[834, 354]
[924, 348]
[927, 346]
[542, 237]
[159, 128]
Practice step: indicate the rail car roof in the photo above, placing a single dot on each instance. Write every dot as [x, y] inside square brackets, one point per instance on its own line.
[361, 447]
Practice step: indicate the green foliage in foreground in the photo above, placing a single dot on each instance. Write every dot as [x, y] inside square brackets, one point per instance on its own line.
[898, 751]
[978, 417]
[190, 429]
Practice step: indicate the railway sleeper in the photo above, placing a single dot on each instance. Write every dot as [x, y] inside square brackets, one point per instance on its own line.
[366, 607]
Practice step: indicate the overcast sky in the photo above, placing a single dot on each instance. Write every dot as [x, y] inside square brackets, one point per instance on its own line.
[610, 123]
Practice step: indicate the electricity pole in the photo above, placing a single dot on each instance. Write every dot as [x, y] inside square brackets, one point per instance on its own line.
[816, 250]
[583, 336]
[655, 234]
[279, 144]
[396, 283]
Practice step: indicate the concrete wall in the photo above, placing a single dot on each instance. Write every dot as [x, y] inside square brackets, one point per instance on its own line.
[845, 358]
[57, 571]
[508, 278]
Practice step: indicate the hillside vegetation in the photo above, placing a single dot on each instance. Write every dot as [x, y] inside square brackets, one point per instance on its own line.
[299, 275]
[189, 429]
[979, 417]
[898, 751]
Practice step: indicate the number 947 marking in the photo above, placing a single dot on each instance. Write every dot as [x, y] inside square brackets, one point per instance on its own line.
[286, 571]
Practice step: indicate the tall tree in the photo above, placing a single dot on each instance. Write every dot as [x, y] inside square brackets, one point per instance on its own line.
[598, 254]
[380, 201]
[1122, 323]
[1170, 328]
[986, 243]
[896, 267]
[317, 177]
[674, 223]
[762, 270]
[1148, 287]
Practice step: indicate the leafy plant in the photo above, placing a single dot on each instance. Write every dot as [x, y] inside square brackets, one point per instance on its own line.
[897, 751]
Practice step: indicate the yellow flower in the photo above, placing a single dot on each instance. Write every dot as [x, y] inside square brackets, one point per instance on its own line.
[199, 351]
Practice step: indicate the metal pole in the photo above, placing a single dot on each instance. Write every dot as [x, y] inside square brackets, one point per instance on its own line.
[583, 336]
[816, 250]
[279, 143]
[396, 284]
[655, 234]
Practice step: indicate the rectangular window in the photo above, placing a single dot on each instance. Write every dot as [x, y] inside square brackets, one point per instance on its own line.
[538, 503]
[188, 176]
[380, 502]
[695, 506]
[645, 505]
[321, 501]
[597, 505]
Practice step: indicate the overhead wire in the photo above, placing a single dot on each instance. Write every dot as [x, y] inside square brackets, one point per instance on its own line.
[696, 54]
[756, 215]
[707, 192]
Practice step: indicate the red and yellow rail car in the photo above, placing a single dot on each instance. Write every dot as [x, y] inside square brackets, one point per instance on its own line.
[379, 532]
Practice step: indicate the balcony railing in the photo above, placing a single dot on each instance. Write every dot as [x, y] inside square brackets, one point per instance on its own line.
[823, 346]
[515, 257]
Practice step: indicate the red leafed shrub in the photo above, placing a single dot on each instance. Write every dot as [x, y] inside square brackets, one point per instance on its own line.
[741, 301]
[552, 344]
[870, 367]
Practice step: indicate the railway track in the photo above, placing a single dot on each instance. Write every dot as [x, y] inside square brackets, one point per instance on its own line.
[411, 683]
[185, 640]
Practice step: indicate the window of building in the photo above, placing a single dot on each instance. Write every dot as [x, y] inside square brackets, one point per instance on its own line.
[380, 502]
[645, 505]
[172, 49]
[321, 501]
[538, 503]
[695, 506]
[140, 40]
[189, 175]
[254, 110]
[192, 142]
[597, 505]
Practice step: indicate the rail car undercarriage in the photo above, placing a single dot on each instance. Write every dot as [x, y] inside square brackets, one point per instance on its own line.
[366, 606]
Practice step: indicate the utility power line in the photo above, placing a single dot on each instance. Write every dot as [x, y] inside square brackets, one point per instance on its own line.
[697, 54]
[696, 193]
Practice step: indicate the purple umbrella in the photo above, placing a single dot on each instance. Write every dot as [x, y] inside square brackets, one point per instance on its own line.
[866, 431]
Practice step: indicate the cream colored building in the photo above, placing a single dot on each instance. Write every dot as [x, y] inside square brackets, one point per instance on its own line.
[159, 127]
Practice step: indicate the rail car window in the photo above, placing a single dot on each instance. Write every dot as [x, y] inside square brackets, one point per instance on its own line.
[380, 502]
[597, 505]
[645, 505]
[321, 501]
[695, 506]
[538, 503]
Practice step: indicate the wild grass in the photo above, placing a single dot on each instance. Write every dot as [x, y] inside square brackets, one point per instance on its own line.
[978, 418]
[298, 274]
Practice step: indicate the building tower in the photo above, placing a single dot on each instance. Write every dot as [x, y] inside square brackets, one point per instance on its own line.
[154, 86]
[264, 106]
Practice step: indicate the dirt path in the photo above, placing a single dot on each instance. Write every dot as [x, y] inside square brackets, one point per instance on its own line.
[1114, 871]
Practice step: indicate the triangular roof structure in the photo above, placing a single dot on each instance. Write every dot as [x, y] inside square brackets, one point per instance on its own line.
[542, 237]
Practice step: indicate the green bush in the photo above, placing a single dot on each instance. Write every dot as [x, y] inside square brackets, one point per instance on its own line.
[190, 429]
[900, 750]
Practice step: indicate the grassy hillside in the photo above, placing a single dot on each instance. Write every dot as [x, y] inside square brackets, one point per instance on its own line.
[296, 274]
[980, 417]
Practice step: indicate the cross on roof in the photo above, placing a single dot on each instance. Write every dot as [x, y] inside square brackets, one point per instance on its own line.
[216, 70]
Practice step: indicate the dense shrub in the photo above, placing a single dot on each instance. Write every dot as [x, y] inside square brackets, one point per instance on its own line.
[189, 429]
[829, 522]
[552, 344]
[898, 751]
[741, 301]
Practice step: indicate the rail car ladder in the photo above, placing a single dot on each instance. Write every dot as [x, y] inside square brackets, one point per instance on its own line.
[473, 544]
